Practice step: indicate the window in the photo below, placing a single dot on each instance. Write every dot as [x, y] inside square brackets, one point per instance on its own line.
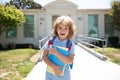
[29, 26]
[93, 25]
[11, 32]
[109, 27]
[54, 17]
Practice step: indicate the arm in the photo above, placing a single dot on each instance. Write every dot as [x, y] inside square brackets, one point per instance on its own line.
[56, 69]
[65, 59]
[46, 60]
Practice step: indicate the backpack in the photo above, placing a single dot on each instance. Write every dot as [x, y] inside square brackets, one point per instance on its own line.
[68, 45]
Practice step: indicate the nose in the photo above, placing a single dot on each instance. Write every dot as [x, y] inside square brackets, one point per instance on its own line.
[63, 30]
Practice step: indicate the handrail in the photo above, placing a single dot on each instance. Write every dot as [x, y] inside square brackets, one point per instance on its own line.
[40, 41]
[85, 39]
[42, 47]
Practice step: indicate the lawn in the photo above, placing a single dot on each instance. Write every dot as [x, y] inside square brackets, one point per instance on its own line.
[113, 54]
[15, 64]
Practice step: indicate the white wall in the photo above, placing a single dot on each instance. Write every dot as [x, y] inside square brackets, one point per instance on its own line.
[83, 20]
[43, 21]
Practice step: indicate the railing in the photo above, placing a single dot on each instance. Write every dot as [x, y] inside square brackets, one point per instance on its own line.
[93, 42]
[41, 46]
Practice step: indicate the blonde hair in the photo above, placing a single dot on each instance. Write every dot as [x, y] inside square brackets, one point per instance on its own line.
[67, 21]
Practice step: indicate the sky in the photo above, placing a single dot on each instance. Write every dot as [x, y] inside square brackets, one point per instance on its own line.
[83, 4]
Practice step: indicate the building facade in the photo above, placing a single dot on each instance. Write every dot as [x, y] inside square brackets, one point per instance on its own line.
[90, 22]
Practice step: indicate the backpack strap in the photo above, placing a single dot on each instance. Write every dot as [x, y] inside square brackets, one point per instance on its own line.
[69, 44]
[51, 41]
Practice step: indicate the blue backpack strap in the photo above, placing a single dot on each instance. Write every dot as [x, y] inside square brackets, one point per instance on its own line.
[71, 65]
[69, 45]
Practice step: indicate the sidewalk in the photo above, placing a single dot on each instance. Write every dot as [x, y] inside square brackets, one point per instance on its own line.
[86, 67]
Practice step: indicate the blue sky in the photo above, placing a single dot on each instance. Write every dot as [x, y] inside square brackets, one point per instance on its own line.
[83, 4]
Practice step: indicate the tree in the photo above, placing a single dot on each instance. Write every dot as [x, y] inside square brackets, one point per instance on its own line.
[114, 13]
[10, 17]
[24, 4]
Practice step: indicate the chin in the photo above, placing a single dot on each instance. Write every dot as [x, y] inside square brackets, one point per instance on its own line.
[62, 36]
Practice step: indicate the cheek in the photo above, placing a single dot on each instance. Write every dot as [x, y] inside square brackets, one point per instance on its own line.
[68, 31]
[58, 30]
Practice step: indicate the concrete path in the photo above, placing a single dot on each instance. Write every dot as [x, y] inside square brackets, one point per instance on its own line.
[86, 67]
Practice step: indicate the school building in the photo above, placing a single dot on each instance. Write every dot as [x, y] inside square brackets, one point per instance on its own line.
[90, 22]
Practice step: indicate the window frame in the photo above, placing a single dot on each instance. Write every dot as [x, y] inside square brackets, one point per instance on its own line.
[94, 23]
[11, 32]
[27, 33]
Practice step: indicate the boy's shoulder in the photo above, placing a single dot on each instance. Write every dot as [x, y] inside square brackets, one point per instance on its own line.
[52, 38]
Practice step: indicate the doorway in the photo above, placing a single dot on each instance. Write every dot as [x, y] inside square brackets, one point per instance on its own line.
[54, 17]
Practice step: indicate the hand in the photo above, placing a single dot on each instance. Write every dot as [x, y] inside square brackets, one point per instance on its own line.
[52, 50]
[57, 70]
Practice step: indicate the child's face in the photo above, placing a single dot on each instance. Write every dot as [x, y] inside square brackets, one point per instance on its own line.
[62, 31]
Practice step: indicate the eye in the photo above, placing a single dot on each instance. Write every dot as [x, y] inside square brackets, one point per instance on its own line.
[60, 28]
[66, 28]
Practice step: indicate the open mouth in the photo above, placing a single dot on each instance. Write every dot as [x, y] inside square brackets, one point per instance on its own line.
[62, 34]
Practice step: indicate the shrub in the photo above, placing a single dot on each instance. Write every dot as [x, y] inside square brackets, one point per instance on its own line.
[114, 41]
[17, 46]
[1, 47]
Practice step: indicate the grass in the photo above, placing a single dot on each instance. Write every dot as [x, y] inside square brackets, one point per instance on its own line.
[113, 54]
[15, 64]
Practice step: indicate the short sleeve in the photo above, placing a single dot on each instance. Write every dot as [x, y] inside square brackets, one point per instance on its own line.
[72, 50]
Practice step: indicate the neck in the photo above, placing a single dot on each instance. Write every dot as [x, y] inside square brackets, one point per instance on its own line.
[62, 39]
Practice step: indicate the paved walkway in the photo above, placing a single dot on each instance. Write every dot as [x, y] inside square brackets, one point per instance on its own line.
[86, 67]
